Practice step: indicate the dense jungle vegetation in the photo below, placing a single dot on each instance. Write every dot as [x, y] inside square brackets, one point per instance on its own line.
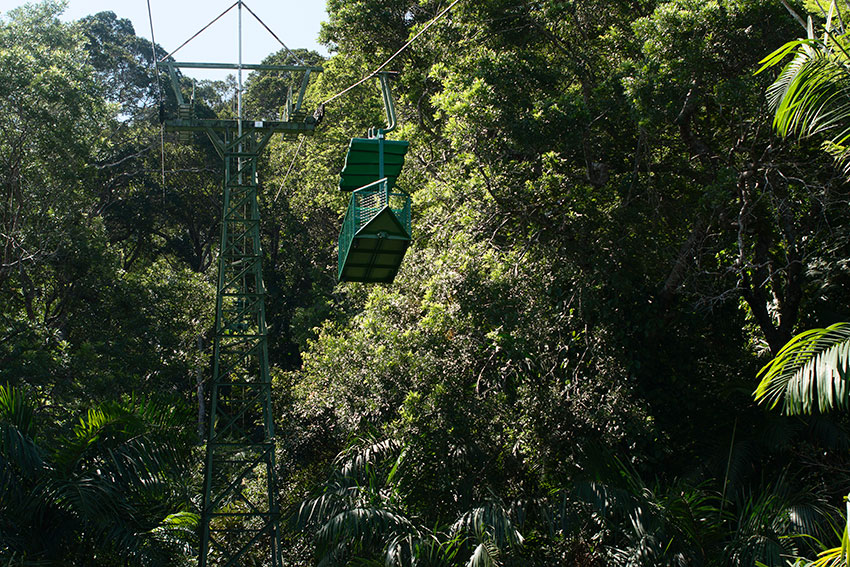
[610, 240]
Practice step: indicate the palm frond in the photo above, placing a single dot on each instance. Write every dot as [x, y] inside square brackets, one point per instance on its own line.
[362, 526]
[115, 473]
[16, 410]
[770, 520]
[176, 531]
[780, 54]
[21, 459]
[689, 511]
[610, 502]
[335, 498]
[417, 548]
[811, 371]
[18, 454]
[489, 522]
[359, 459]
[136, 444]
[831, 557]
[812, 94]
[355, 517]
[835, 557]
[486, 554]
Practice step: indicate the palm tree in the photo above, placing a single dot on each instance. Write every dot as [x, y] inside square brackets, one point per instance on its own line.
[107, 488]
[359, 518]
[811, 97]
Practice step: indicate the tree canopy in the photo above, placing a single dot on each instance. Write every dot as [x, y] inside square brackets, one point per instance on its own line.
[610, 240]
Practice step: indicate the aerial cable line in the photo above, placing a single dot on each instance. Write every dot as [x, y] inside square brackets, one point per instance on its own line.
[300, 61]
[393, 56]
[153, 52]
[320, 111]
[161, 109]
[202, 30]
[288, 171]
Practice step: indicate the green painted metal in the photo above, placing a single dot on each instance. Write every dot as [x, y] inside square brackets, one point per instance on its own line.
[375, 234]
[234, 66]
[240, 515]
[376, 230]
[274, 126]
[389, 107]
[363, 163]
[294, 120]
[241, 437]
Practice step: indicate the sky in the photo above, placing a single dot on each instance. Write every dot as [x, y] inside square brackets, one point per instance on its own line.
[295, 22]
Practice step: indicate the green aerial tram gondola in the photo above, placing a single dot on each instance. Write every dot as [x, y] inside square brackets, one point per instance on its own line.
[376, 230]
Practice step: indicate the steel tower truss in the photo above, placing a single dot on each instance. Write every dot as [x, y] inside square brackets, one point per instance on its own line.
[240, 510]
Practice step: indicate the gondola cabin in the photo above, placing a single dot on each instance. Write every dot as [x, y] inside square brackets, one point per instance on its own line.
[376, 231]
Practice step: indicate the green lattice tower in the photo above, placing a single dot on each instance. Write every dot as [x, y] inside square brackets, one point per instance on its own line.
[240, 511]
[241, 440]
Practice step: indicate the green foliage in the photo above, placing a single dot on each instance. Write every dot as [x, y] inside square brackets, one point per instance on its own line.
[359, 517]
[607, 238]
[600, 213]
[122, 62]
[266, 92]
[90, 313]
[811, 371]
[111, 482]
[809, 97]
